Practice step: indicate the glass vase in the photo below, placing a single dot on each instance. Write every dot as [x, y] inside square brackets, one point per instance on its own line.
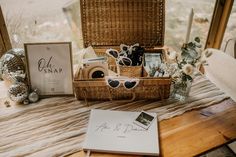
[181, 90]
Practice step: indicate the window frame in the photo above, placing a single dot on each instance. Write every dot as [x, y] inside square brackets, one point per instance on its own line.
[5, 43]
[218, 24]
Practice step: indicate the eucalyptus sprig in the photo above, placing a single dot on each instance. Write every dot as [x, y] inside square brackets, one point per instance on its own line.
[191, 52]
[189, 60]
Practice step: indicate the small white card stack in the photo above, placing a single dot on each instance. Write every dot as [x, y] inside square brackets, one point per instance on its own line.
[115, 132]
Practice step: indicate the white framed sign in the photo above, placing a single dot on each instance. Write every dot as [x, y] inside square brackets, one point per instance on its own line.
[49, 67]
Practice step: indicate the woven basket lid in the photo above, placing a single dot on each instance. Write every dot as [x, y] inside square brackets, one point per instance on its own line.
[112, 22]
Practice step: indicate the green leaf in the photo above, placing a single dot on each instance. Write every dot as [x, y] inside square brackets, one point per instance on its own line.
[184, 62]
[191, 44]
[198, 45]
[179, 66]
[184, 78]
[189, 77]
[197, 39]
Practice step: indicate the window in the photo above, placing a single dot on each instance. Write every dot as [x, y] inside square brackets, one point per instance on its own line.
[177, 15]
[36, 21]
[44, 20]
[230, 32]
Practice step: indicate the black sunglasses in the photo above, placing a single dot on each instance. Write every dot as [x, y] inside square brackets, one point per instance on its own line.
[121, 59]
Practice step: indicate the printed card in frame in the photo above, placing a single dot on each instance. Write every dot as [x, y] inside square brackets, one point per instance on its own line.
[49, 67]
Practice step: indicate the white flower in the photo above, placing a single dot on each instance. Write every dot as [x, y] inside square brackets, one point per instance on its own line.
[172, 55]
[188, 69]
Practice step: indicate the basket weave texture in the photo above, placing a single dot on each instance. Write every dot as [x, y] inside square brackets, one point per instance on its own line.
[112, 22]
[146, 89]
[109, 23]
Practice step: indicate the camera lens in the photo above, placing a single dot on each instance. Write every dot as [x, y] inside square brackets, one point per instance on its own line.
[98, 74]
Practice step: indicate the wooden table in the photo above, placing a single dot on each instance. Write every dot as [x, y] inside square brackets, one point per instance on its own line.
[193, 132]
[190, 134]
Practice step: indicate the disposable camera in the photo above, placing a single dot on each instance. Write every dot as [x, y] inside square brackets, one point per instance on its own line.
[94, 68]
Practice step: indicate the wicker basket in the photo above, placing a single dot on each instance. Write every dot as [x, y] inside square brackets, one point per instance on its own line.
[130, 71]
[107, 24]
[148, 88]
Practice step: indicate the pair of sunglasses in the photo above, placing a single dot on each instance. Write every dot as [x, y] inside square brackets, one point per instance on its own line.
[121, 58]
[127, 83]
[129, 49]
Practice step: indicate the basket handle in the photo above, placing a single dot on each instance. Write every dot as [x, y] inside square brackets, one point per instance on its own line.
[85, 96]
[127, 100]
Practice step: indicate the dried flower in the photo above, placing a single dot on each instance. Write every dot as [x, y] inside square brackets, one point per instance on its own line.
[191, 58]
[172, 55]
[188, 69]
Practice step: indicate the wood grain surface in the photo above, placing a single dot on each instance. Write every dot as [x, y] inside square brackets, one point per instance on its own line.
[190, 134]
[194, 132]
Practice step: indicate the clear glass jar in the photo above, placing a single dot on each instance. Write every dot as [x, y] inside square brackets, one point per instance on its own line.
[181, 90]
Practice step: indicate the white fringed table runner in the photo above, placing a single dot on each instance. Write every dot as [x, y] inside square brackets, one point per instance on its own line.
[56, 126]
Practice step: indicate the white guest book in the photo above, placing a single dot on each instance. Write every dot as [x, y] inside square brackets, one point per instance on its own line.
[115, 132]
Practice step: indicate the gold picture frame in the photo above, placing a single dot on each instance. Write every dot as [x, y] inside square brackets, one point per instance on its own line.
[49, 68]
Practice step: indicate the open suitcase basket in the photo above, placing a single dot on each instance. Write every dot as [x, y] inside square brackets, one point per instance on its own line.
[109, 23]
